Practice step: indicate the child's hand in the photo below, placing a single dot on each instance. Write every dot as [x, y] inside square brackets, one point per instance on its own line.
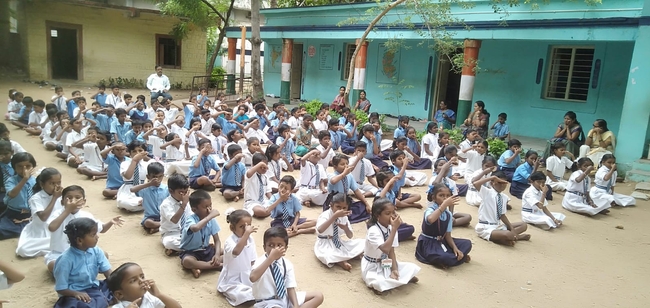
[186, 199]
[544, 189]
[214, 213]
[140, 156]
[613, 167]
[82, 296]
[538, 160]
[589, 169]
[284, 195]
[250, 229]
[395, 221]
[238, 156]
[118, 221]
[459, 254]
[206, 151]
[150, 285]
[135, 304]
[277, 253]
[341, 213]
[518, 150]
[155, 182]
[394, 274]
[453, 200]
[262, 165]
[348, 169]
[558, 222]
[57, 191]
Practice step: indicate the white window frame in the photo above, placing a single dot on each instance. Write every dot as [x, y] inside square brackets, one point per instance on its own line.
[349, 51]
[549, 72]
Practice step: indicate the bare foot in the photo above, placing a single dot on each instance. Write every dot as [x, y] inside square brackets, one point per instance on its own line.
[209, 187]
[523, 237]
[417, 205]
[93, 178]
[414, 280]
[236, 199]
[292, 233]
[152, 231]
[169, 252]
[345, 265]
[508, 207]
[196, 272]
[410, 238]
[510, 243]
[468, 258]
[605, 211]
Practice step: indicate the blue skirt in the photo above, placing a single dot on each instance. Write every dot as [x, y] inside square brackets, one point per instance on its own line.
[509, 172]
[278, 222]
[422, 164]
[462, 189]
[10, 229]
[99, 298]
[429, 250]
[404, 232]
[347, 147]
[517, 190]
[378, 162]
[358, 209]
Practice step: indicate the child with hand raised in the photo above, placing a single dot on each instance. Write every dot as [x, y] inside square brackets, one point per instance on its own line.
[329, 248]
[238, 256]
[534, 207]
[577, 199]
[285, 209]
[198, 254]
[133, 290]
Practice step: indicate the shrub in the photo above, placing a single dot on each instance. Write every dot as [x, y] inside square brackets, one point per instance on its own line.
[312, 107]
[455, 135]
[496, 147]
[217, 78]
[334, 114]
[420, 135]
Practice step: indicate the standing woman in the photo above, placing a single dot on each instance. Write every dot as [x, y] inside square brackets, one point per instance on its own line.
[445, 116]
[569, 133]
[600, 141]
[478, 119]
[339, 101]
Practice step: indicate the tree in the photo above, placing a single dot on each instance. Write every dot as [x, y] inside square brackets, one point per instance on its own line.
[203, 14]
[256, 42]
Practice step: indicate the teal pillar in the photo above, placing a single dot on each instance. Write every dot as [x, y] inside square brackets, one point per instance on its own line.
[285, 81]
[230, 69]
[635, 115]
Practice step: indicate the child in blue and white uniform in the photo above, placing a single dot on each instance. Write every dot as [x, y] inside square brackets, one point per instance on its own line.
[19, 188]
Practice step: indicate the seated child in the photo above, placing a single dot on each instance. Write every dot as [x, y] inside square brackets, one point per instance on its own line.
[603, 191]
[252, 130]
[342, 182]
[96, 151]
[5, 170]
[73, 199]
[501, 130]
[433, 242]
[130, 287]
[379, 267]
[304, 135]
[473, 156]
[21, 118]
[493, 224]
[134, 173]
[363, 171]
[430, 146]
[48, 133]
[285, 210]
[403, 200]
[35, 238]
[252, 147]
[257, 192]
[287, 148]
[387, 181]
[121, 127]
[202, 165]
[9, 275]
[510, 159]
[273, 276]
[473, 196]
[313, 180]
[373, 152]
[556, 165]
[325, 149]
[172, 210]
[577, 199]
[534, 207]
[441, 169]
[198, 254]
[218, 142]
[273, 174]
[232, 178]
[153, 193]
[238, 256]
[113, 161]
[329, 248]
[38, 118]
[76, 270]
[520, 181]
[13, 110]
[19, 188]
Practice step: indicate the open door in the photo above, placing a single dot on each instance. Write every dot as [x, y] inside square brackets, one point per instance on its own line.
[447, 86]
[64, 56]
[296, 71]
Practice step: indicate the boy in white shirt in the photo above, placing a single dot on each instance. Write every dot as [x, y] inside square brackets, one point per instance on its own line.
[325, 149]
[206, 122]
[218, 143]
[37, 118]
[114, 99]
[75, 148]
[313, 180]
[256, 189]
[172, 212]
[362, 171]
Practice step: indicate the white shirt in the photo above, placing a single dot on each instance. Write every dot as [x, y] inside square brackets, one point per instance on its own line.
[293, 123]
[92, 154]
[487, 211]
[39, 201]
[16, 147]
[257, 133]
[59, 240]
[174, 153]
[37, 118]
[4, 282]
[275, 170]
[170, 114]
[557, 165]
[320, 125]
[265, 288]
[252, 191]
[206, 126]
[143, 171]
[155, 143]
[578, 187]
[600, 177]
[430, 142]
[168, 209]
[325, 162]
[236, 269]
[47, 130]
[375, 238]
[308, 174]
[367, 169]
[474, 161]
[530, 198]
[148, 301]
[324, 217]
[217, 145]
[61, 103]
[157, 83]
[115, 100]
[71, 139]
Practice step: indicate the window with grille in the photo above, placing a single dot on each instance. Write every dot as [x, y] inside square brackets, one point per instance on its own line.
[168, 51]
[349, 51]
[569, 73]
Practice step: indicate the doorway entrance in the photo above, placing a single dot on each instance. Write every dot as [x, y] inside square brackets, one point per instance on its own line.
[64, 52]
[296, 71]
[446, 86]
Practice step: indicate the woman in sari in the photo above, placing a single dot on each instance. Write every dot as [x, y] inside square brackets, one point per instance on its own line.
[478, 119]
[339, 101]
[569, 133]
[600, 141]
[445, 116]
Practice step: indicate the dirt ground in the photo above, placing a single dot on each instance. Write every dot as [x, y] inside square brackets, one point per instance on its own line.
[586, 262]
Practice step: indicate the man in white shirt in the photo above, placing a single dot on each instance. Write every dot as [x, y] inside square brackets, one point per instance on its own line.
[158, 84]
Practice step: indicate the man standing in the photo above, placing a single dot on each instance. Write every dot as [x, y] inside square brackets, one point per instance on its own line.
[158, 84]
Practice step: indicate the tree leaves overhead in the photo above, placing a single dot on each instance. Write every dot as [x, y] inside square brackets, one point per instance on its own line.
[202, 14]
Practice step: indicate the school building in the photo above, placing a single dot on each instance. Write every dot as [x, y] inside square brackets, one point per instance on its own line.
[90, 40]
[565, 55]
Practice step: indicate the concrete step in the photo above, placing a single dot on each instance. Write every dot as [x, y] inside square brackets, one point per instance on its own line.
[641, 165]
[636, 175]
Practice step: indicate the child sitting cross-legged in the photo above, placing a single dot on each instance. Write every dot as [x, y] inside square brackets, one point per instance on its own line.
[232, 179]
[113, 161]
[172, 209]
[134, 172]
[153, 193]
[285, 209]
[198, 254]
[274, 278]
[202, 165]
[238, 256]
[257, 191]
[313, 180]
[342, 182]
[329, 248]
[132, 289]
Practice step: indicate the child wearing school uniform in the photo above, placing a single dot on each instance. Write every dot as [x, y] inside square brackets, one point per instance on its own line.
[313, 180]
[6, 170]
[35, 238]
[430, 147]
[387, 181]
[350, 126]
[173, 211]
[510, 159]
[363, 171]
[403, 200]
[534, 207]
[556, 165]
[380, 269]
[73, 199]
[238, 256]
[257, 191]
[153, 193]
[198, 255]
[493, 224]
[201, 167]
[285, 210]
[253, 130]
[113, 161]
[342, 182]
[120, 127]
[96, 150]
[577, 198]
[329, 248]
[471, 137]
[304, 135]
[325, 149]
[520, 181]
[602, 192]
[473, 196]
[373, 151]
[131, 289]
[134, 172]
[232, 178]
[19, 188]
[435, 245]
[501, 130]
[76, 270]
[473, 156]
[442, 168]
[274, 172]
[48, 133]
[74, 142]
[273, 276]
[218, 143]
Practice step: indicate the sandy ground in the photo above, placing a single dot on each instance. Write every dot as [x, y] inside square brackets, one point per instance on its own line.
[587, 262]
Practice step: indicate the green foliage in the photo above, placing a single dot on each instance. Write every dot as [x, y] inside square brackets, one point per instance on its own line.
[496, 147]
[361, 116]
[420, 135]
[455, 135]
[180, 86]
[217, 79]
[299, 3]
[394, 93]
[334, 114]
[384, 126]
[312, 107]
[123, 83]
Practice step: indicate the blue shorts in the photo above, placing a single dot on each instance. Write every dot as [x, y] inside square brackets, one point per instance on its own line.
[235, 188]
[195, 185]
[204, 255]
[152, 217]
[404, 196]
[113, 188]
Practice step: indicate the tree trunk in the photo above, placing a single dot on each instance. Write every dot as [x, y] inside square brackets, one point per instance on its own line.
[256, 41]
[215, 54]
[371, 25]
[274, 4]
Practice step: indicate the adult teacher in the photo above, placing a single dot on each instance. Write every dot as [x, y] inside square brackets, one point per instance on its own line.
[159, 85]
[478, 119]
[445, 116]
[600, 141]
[340, 101]
[569, 133]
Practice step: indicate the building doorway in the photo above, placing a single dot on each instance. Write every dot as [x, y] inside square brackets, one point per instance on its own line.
[446, 85]
[64, 52]
[296, 71]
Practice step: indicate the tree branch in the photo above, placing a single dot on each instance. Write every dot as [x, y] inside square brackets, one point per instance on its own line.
[206, 2]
